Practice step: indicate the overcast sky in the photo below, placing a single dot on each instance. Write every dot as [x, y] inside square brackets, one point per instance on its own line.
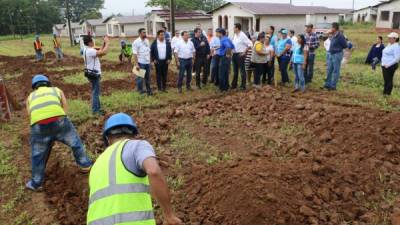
[126, 7]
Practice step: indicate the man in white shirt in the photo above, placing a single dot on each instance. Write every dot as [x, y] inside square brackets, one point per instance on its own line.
[184, 57]
[141, 56]
[175, 40]
[161, 55]
[92, 63]
[242, 44]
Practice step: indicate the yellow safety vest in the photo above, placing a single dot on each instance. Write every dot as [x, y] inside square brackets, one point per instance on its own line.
[117, 196]
[45, 103]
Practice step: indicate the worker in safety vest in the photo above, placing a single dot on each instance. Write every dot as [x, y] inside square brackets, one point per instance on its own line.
[121, 179]
[47, 107]
[38, 46]
[126, 52]
[57, 47]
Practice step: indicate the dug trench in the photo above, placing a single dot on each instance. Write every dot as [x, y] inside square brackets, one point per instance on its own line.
[260, 157]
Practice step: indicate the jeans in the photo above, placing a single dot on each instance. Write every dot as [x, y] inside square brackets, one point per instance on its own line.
[283, 67]
[309, 72]
[215, 69]
[39, 55]
[334, 64]
[224, 66]
[139, 80]
[42, 139]
[238, 64]
[268, 71]
[185, 66]
[299, 82]
[162, 74]
[388, 74]
[200, 65]
[96, 106]
[258, 72]
[59, 53]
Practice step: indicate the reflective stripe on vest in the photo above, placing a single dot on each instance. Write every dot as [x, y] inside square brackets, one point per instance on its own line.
[45, 103]
[118, 194]
[38, 45]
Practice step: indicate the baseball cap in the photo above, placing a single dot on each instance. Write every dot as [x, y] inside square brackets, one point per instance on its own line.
[284, 31]
[310, 25]
[393, 35]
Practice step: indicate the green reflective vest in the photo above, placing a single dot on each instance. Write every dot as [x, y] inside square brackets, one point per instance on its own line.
[116, 195]
[45, 103]
[127, 51]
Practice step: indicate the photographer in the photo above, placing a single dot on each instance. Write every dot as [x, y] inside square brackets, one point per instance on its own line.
[91, 56]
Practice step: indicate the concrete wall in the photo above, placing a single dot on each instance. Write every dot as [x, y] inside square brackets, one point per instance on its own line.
[323, 18]
[100, 30]
[292, 22]
[391, 7]
[189, 25]
[132, 29]
[368, 14]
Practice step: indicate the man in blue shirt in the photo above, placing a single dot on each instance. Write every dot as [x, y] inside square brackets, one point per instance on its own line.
[273, 43]
[338, 44]
[225, 54]
[283, 54]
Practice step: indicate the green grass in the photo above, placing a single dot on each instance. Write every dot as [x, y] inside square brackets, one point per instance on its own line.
[79, 111]
[79, 78]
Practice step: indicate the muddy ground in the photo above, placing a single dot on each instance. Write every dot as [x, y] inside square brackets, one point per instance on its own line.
[260, 157]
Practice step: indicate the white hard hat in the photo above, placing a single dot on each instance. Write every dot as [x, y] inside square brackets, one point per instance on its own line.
[393, 35]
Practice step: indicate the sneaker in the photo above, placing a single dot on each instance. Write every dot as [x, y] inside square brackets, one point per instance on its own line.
[30, 186]
[85, 170]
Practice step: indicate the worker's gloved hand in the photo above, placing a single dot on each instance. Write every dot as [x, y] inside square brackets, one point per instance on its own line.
[172, 220]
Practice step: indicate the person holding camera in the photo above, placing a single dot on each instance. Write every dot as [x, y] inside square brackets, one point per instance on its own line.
[92, 57]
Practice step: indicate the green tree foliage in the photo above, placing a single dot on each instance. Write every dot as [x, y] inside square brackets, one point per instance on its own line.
[30, 16]
[206, 5]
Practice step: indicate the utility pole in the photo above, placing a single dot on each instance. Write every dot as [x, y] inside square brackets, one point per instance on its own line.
[291, 2]
[172, 16]
[69, 24]
[354, 4]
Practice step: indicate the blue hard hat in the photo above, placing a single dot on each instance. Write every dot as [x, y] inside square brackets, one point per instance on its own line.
[39, 78]
[117, 121]
[284, 31]
[123, 42]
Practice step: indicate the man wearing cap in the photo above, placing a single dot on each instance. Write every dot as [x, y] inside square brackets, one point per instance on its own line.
[126, 52]
[225, 54]
[283, 54]
[312, 42]
[47, 107]
[122, 177]
[338, 44]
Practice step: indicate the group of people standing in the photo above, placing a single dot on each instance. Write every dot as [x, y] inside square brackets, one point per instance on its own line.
[38, 47]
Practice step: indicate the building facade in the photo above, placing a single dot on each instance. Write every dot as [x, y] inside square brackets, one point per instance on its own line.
[365, 15]
[388, 15]
[124, 26]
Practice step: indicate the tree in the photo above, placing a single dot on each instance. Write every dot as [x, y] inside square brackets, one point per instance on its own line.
[206, 5]
[83, 9]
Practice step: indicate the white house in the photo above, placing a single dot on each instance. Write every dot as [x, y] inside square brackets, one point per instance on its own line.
[76, 29]
[94, 26]
[258, 16]
[388, 15]
[184, 20]
[122, 26]
[365, 15]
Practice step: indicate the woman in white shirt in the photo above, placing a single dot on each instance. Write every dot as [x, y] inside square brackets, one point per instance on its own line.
[268, 66]
[390, 61]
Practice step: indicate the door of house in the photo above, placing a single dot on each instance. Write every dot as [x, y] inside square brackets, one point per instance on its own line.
[396, 20]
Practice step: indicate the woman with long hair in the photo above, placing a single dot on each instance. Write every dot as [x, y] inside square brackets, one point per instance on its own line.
[300, 54]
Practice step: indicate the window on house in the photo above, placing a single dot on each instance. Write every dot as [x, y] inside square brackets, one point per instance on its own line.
[226, 22]
[219, 21]
[109, 28]
[385, 15]
[122, 29]
[258, 25]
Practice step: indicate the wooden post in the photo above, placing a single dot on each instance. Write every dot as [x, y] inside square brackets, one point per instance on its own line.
[172, 17]
[5, 111]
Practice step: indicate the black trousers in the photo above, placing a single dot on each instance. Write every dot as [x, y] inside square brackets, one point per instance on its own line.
[162, 74]
[388, 74]
[258, 72]
[268, 71]
[201, 65]
[238, 64]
